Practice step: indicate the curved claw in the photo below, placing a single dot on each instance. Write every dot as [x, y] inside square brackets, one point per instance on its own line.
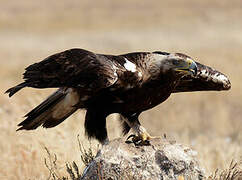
[137, 140]
[130, 136]
[130, 141]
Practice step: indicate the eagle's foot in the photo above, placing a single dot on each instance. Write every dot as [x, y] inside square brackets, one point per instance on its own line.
[142, 139]
[137, 140]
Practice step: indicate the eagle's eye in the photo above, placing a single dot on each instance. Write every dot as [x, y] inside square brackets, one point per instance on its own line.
[175, 62]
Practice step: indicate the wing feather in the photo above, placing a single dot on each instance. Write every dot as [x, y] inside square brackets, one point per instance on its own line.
[71, 68]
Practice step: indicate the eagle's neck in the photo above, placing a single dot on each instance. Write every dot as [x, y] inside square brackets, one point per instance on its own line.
[149, 64]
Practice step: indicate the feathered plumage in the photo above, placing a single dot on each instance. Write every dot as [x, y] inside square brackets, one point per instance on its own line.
[127, 84]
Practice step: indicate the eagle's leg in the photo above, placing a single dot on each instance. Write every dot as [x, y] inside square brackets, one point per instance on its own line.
[141, 136]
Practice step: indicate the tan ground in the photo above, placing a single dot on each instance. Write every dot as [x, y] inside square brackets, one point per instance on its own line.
[209, 31]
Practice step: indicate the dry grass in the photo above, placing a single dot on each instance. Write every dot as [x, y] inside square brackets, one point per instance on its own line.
[210, 31]
[234, 172]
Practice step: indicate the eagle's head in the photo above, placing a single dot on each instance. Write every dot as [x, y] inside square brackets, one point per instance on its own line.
[177, 64]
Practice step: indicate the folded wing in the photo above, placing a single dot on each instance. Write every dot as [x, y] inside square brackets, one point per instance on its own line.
[75, 68]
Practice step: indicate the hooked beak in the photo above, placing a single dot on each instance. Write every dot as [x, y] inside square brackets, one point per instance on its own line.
[189, 67]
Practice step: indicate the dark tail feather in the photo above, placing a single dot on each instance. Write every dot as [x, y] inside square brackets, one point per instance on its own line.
[52, 100]
[52, 122]
[43, 113]
[15, 89]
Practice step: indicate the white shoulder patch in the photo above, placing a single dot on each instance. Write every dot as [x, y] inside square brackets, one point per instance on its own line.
[140, 74]
[129, 66]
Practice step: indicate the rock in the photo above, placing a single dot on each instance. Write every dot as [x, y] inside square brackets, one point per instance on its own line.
[159, 160]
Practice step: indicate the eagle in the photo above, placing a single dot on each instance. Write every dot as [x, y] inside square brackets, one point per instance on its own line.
[102, 84]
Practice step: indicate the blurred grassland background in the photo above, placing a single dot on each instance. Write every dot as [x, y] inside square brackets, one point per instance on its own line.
[209, 31]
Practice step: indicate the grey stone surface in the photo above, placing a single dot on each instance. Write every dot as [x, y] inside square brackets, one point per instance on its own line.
[160, 160]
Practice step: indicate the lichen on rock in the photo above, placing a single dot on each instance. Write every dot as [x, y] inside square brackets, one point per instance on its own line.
[161, 159]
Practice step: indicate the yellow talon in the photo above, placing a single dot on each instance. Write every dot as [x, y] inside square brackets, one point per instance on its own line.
[144, 136]
[141, 139]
